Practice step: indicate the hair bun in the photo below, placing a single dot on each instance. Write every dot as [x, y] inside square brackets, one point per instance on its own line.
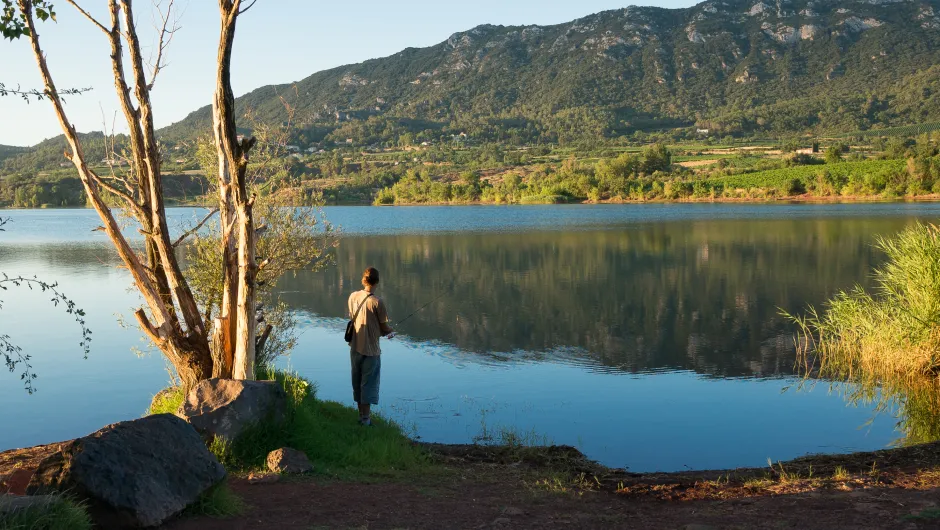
[370, 276]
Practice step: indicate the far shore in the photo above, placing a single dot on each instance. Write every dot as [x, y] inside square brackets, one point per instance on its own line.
[806, 199]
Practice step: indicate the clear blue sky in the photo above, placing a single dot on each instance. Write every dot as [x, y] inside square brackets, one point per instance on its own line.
[278, 41]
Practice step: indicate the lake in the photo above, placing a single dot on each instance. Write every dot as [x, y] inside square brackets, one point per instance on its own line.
[648, 336]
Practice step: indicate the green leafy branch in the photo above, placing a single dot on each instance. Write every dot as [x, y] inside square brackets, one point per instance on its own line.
[39, 95]
[13, 21]
[13, 26]
[13, 355]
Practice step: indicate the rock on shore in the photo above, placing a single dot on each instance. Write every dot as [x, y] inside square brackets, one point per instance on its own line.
[226, 407]
[132, 474]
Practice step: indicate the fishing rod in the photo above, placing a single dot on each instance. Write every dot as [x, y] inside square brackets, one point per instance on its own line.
[420, 308]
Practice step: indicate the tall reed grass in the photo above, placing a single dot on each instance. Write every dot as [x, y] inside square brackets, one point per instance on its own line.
[892, 334]
[886, 343]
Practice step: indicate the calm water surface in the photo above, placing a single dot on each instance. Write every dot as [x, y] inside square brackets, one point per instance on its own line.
[648, 336]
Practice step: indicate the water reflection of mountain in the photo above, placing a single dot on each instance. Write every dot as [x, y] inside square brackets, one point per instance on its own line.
[702, 296]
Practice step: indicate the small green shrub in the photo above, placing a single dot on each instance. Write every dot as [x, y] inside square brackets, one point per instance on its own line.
[219, 502]
[840, 474]
[796, 187]
[167, 401]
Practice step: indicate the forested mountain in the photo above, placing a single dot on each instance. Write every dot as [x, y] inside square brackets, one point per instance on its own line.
[47, 154]
[732, 66]
[7, 151]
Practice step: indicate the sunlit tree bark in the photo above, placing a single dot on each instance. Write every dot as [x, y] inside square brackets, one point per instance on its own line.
[236, 323]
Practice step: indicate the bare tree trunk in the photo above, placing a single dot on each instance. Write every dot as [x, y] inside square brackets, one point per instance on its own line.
[224, 338]
[247, 269]
[237, 315]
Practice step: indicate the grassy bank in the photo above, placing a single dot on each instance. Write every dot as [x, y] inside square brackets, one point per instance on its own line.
[59, 514]
[325, 430]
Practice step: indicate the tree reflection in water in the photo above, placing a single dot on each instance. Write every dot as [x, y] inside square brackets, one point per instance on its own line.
[702, 296]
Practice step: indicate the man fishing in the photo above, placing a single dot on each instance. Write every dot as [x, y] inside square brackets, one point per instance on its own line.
[370, 320]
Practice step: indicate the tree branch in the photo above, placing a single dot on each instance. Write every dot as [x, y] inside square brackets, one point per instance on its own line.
[152, 333]
[195, 229]
[127, 197]
[89, 17]
[166, 36]
[126, 252]
[249, 7]
[33, 93]
[263, 339]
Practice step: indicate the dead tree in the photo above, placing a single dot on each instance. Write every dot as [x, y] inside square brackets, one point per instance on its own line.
[235, 326]
[171, 319]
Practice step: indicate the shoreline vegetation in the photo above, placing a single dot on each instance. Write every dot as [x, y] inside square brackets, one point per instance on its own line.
[794, 199]
[885, 343]
[862, 169]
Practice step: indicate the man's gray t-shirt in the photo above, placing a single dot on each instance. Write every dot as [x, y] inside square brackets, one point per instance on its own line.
[371, 323]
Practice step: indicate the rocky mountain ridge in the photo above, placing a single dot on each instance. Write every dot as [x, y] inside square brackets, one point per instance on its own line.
[732, 66]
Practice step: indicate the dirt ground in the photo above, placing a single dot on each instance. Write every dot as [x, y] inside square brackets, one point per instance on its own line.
[506, 488]
[468, 504]
[697, 163]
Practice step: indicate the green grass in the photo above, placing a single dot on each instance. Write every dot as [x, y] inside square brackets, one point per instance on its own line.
[61, 514]
[328, 432]
[219, 503]
[690, 158]
[509, 437]
[165, 402]
[783, 475]
[759, 482]
[840, 474]
[891, 333]
[782, 177]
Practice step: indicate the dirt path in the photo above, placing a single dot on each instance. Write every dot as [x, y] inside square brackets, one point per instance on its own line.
[560, 489]
[697, 163]
[463, 503]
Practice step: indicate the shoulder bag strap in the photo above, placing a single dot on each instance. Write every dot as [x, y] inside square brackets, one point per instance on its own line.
[360, 307]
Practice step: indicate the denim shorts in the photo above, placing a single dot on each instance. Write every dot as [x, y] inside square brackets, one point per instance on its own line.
[366, 372]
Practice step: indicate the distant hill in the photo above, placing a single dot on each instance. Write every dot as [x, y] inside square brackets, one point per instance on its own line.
[735, 67]
[7, 151]
[48, 154]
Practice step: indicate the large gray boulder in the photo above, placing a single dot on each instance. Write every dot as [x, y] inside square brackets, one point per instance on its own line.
[226, 407]
[132, 474]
